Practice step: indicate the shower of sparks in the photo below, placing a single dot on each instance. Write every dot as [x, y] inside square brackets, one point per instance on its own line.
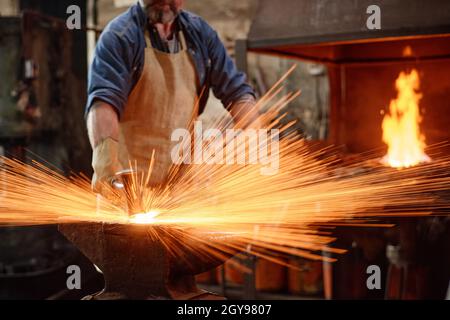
[222, 209]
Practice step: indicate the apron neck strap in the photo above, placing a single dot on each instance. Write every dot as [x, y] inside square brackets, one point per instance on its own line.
[181, 38]
[148, 41]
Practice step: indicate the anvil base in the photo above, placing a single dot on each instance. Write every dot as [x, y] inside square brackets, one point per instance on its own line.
[135, 263]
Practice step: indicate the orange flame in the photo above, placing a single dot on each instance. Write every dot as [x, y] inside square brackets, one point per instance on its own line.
[401, 131]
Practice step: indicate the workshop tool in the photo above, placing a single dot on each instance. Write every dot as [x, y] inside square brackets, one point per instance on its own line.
[137, 265]
[123, 181]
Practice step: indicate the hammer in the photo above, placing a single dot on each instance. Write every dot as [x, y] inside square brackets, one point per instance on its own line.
[123, 181]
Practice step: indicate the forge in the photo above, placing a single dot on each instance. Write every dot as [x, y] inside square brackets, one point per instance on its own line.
[363, 64]
[389, 94]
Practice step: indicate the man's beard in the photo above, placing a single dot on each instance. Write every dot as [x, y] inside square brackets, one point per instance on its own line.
[159, 15]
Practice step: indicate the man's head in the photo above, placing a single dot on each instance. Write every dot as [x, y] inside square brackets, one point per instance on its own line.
[162, 11]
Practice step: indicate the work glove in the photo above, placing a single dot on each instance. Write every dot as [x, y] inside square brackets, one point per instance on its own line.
[246, 113]
[105, 162]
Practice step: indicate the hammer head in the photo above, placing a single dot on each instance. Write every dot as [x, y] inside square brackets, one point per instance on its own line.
[123, 181]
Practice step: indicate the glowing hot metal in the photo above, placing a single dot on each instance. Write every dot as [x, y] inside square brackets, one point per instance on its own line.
[145, 218]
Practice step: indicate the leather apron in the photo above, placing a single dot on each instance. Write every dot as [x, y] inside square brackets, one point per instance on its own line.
[164, 99]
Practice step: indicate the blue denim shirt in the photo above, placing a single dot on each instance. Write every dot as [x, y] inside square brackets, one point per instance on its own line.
[119, 60]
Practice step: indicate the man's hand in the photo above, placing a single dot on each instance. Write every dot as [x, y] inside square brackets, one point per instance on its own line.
[106, 164]
[103, 130]
[245, 113]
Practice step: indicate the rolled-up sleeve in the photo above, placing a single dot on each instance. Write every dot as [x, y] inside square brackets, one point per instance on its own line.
[110, 73]
[228, 84]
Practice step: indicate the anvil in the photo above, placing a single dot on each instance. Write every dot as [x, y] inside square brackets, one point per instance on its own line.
[136, 264]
